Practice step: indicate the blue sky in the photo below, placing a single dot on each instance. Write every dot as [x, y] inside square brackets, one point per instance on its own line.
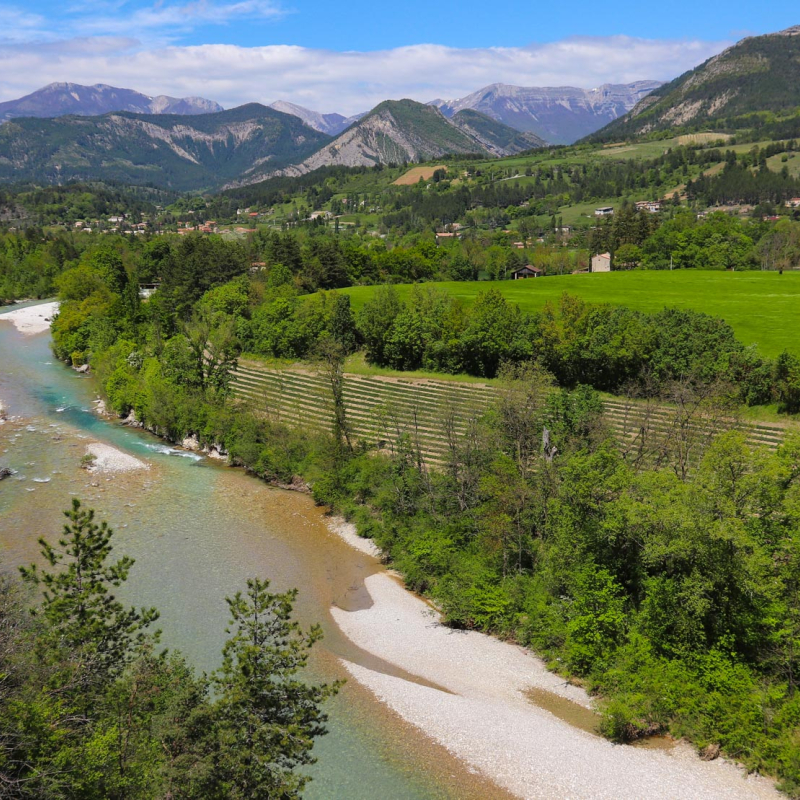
[370, 25]
[348, 56]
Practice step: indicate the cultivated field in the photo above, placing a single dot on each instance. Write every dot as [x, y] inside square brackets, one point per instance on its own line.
[763, 308]
[413, 175]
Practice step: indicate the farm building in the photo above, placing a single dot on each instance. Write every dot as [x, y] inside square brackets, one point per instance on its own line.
[601, 262]
[527, 271]
[604, 211]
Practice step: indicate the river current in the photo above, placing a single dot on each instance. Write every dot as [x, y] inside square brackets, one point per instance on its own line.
[198, 530]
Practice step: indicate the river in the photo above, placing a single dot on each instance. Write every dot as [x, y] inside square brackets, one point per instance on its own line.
[198, 530]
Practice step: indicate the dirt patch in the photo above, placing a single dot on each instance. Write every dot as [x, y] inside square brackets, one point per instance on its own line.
[413, 175]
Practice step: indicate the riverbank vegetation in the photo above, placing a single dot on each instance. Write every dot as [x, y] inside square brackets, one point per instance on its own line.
[92, 707]
[666, 581]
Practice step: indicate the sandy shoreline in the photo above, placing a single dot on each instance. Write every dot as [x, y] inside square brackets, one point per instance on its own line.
[485, 720]
[31, 319]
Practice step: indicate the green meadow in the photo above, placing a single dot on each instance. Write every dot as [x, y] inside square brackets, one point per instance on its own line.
[762, 307]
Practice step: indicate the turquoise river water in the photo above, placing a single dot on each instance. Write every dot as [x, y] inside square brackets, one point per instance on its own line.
[198, 530]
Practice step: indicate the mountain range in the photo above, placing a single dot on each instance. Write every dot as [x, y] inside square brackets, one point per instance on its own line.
[59, 99]
[758, 74]
[558, 115]
[238, 146]
[398, 131]
[164, 150]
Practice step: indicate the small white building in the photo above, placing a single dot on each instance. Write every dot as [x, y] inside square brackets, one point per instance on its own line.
[601, 262]
[604, 211]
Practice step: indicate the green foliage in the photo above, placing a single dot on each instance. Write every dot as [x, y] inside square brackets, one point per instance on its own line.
[91, 710]
[268, 719]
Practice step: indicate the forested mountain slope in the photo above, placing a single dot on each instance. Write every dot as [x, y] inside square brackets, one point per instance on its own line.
[759, 74]
[497, 138]
[166, 150]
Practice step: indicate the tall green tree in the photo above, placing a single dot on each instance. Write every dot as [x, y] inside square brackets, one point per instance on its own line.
[268, 718]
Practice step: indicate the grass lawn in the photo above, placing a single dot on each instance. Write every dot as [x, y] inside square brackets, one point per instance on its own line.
[762, 307]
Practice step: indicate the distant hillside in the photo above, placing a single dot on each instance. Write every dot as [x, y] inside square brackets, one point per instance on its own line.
[59, 99]
[759, 74]
[332, 124]
[494, 136]
[168, 151]
[558, 115]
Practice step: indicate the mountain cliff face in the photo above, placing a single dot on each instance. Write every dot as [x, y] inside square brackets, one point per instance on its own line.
[332, 124]
[760, 73]
[558, 115]
[166, 150]
[59, 99]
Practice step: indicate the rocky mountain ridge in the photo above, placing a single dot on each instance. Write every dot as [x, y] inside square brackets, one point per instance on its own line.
[60, 99]
[560, 115]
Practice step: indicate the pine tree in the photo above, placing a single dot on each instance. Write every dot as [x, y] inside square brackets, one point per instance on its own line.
[77, 601]
[267, 718]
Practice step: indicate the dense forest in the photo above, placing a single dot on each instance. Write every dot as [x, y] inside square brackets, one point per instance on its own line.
[668, 585]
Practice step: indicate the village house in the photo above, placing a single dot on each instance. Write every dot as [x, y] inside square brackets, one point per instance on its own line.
[601, 262]
[653, 206]
[528, 271]
[793, 203]
[117, 219]
[604, 211]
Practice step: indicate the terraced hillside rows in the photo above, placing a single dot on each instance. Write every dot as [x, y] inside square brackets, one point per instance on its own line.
[436, 413]
[379, 410]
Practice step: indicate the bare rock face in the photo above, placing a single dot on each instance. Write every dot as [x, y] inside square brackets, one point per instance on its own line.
[191, 443]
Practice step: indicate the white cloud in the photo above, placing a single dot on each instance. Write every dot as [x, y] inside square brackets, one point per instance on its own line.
[169, 19]
[347, 82]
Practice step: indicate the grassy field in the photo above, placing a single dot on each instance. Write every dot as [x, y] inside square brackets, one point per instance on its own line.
[762, 307]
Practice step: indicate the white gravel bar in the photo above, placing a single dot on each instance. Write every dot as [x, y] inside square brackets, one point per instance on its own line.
[347, 531]
[109, 459]
[487, 721]
[31, 319]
